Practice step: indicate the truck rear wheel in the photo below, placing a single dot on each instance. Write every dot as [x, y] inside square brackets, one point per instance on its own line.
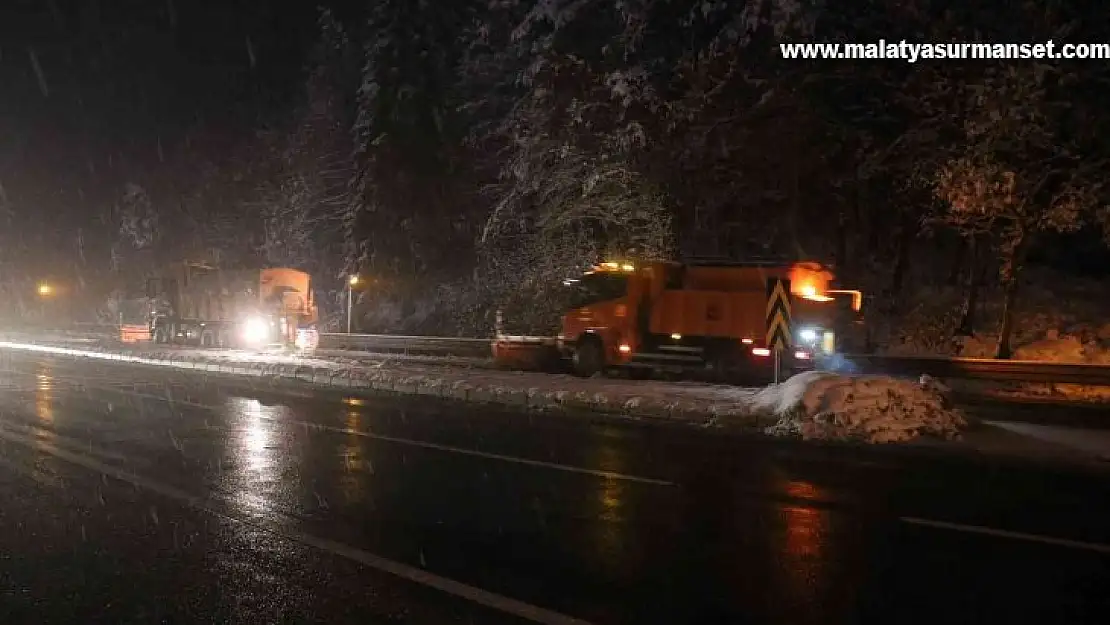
[725, 364]
[589, 357]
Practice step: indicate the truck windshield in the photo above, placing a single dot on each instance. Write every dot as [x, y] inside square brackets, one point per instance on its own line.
[597, 287]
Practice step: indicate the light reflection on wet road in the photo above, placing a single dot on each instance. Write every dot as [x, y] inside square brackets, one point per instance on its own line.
[189, 498]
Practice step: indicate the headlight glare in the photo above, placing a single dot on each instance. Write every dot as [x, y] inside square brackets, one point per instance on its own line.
[256, 330]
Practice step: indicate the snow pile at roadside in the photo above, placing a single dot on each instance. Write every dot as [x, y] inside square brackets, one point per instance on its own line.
[875, 409]
[1086, 346]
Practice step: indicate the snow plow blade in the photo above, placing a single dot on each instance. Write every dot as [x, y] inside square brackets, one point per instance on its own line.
[528, 353]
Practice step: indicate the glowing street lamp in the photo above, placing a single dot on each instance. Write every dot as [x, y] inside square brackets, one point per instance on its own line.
[351, 282]
[45, 289]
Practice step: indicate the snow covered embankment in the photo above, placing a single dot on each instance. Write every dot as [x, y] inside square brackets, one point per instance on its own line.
[875, 409]
[815, 405]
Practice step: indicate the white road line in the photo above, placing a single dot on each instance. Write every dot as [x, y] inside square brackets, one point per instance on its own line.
[64, 441]
[217, 505]
[612, 475]
[990, 531]
[492, 456]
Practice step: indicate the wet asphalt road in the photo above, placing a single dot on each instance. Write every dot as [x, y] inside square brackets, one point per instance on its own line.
[138, 495]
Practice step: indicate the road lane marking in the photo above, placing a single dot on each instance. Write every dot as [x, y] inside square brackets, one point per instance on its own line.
[218, 505]
[488, 455]
[990, 531]
[64, 441]
[612, 475]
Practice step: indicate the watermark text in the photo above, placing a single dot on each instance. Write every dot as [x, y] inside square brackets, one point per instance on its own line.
[913, 52]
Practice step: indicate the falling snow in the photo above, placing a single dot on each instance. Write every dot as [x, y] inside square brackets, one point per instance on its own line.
[38, 72]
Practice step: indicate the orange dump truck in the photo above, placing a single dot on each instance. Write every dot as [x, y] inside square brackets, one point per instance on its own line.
[198, 304]
[708, 316]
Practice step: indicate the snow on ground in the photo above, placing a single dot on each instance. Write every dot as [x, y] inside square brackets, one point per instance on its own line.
[360, 357]
[1058, 319]
[321, 357]
[812, 405]
[875, 409]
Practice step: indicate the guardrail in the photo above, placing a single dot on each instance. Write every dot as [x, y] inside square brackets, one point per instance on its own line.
[975, 368]
[936, 366]
[416, 345]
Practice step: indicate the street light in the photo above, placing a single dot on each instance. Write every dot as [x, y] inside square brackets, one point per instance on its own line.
[45, 289]
[351, 282]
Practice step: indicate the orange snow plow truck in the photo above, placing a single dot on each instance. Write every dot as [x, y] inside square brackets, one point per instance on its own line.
[706, 316]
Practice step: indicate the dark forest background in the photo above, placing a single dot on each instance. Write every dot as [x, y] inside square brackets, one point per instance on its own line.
[464, 155]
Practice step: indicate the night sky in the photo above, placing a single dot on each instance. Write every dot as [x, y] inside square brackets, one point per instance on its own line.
[90, 89]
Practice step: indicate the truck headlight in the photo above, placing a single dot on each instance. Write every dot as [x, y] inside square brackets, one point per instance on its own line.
[808, 335]
[256, 330]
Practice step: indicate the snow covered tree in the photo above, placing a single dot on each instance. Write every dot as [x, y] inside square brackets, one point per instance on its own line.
[735, 135]
[409, 211]
[137, 227]
[554, 133]
[277, 196]
[1023, 172]
[138, 222]
[882, 130]
[301, 197]
[586, 210]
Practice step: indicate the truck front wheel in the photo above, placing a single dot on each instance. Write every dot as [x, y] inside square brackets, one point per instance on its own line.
[589, 357]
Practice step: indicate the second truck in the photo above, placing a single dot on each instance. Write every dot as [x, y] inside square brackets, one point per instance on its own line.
[191, 303]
